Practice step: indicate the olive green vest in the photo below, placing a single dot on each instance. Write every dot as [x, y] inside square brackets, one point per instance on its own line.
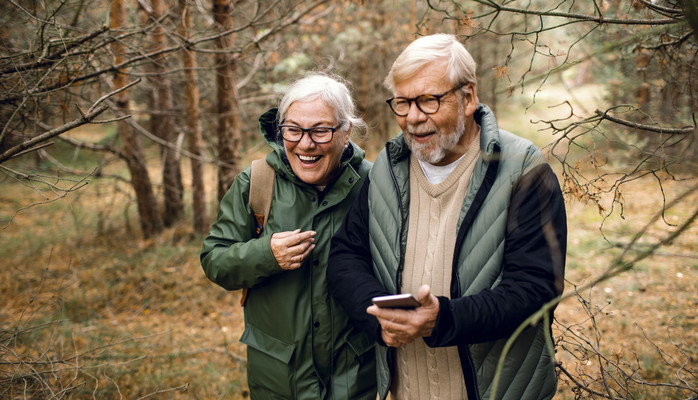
[529, 369]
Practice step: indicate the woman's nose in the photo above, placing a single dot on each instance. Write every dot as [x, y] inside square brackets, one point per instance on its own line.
[306, 140]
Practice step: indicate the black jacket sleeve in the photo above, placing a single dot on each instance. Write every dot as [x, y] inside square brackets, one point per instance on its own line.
[532, 271]
[349, 269]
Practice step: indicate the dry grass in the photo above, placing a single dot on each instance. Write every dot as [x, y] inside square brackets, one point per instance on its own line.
[89, 307]
[91, 310]
[639, 328]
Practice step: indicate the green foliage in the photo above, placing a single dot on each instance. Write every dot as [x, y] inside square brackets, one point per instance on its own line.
[292, 65]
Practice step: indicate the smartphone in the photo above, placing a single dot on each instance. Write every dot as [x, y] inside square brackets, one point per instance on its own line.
[404, 300]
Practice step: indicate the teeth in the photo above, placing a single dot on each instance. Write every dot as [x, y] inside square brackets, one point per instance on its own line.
[308, 158]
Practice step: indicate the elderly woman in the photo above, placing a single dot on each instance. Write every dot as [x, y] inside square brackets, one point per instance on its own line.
[299, 342]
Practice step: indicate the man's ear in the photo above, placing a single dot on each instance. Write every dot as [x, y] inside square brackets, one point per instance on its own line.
[470, 99]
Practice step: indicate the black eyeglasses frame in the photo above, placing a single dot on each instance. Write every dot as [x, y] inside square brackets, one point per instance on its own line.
[309, 132]
[415, 100]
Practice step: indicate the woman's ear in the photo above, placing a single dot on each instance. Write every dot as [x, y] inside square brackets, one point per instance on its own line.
[348, 134]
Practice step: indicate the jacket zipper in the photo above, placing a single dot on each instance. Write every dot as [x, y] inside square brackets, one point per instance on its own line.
[487, 182]
[398, 274]
[390, 354]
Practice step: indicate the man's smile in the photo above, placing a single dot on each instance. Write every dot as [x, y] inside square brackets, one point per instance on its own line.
[423, 137]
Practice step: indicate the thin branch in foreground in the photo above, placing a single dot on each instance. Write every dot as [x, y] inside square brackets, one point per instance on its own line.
[644, 127]
[64, 191]
[617, 266]
[183, 388]
[583, 386]
[600, 19]
[95, 110]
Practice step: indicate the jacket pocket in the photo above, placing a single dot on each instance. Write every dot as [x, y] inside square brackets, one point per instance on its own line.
[360, 343]
[269, 373]
[355, 375]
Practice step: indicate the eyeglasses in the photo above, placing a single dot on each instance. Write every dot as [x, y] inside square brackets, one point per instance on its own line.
[427, 103]
[318, 134]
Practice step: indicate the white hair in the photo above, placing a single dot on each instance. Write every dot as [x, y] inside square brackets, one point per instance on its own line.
[333, 90]
[440, 47]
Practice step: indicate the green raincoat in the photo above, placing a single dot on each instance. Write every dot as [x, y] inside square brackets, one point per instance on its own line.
[300, 344]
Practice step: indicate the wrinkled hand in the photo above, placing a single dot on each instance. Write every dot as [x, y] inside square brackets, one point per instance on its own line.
[400, 327]
[292, 247]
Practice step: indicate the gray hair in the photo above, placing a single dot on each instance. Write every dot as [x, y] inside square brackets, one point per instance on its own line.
[440, 47]
[333, 90]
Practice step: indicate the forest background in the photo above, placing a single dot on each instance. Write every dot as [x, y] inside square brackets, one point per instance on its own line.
[123, 122]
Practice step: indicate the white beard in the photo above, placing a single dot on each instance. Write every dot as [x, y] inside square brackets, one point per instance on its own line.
[434, 151]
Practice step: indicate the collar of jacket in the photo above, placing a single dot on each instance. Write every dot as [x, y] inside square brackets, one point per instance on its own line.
[489, 137]
[268, 126]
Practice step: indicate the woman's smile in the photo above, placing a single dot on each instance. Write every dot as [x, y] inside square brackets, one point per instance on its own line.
[314, 163]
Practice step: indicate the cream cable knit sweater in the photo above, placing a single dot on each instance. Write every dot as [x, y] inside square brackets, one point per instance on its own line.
[423, 372]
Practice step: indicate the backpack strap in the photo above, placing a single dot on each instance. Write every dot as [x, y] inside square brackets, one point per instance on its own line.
[261, 191]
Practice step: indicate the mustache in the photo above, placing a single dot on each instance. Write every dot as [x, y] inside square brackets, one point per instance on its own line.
[420, 129]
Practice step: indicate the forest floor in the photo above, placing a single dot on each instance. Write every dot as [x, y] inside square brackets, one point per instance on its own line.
[90, 307]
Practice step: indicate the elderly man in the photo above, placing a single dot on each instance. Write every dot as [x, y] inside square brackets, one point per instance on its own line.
[469, 218]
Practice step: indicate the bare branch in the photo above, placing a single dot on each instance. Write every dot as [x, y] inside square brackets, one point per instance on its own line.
[140, 129]
[289, 21]
[52, 58]
[61, 191]
[92, 146]
[85, 118]
[584, 387]
[113, 68]
[617, 266]
[579, 17]
[182, 388]
[649, 128]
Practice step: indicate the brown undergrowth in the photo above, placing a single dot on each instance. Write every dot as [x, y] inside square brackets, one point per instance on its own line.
[91, 310]
[632, 336]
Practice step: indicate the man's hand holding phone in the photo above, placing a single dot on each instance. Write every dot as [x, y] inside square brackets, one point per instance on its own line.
[403, 300]
[402, 319]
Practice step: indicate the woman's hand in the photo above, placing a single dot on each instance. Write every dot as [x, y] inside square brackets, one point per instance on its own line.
[292, 247]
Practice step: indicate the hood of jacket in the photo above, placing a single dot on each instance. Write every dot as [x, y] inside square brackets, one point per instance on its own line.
[268, 126]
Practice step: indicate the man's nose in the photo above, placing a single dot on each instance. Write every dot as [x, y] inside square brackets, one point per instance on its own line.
[415, 115]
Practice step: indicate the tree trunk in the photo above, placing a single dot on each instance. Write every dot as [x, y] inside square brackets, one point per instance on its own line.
[151, 221]
[194, 134]
[228, 119]
[165, 129]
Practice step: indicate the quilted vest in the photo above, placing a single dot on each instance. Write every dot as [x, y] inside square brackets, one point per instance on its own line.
[529, 369]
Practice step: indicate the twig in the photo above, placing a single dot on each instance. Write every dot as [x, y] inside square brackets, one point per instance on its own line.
[580, 17]
[138, 127]
[44, 61]
[77, 186]
[183, 388]
[92, 146]
[617, 266]
[85, 118]
[650, 128]
[582, 386]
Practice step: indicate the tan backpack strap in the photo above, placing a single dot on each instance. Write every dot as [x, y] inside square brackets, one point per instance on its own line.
[261, 191]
